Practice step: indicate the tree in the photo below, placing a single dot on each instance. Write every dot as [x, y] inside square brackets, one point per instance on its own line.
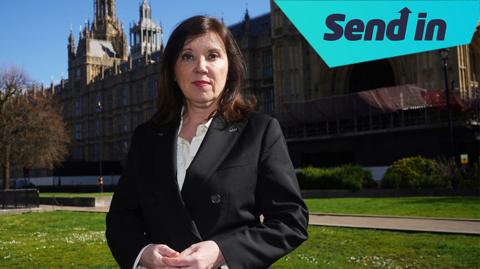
[32, 131]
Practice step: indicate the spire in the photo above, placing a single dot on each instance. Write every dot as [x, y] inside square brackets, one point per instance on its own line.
[246, 22]
[112, 8]
[71, 46]
[106, 26]
[146, 35]
[80, 32]
[52, 88]
[145, 11]
[87, 28]
[71, 38]
[104, 9]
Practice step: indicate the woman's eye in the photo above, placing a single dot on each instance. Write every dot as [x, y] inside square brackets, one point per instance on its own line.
[187, 57]
[213, 56]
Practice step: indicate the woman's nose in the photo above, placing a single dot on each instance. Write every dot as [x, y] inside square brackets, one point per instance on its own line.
[201, 66]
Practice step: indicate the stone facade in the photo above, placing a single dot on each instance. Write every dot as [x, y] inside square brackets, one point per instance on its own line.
[282, 70]
[300, 74]
[110, 90]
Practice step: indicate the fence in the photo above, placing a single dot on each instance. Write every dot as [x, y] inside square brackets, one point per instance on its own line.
[19, 198]
[370, 111]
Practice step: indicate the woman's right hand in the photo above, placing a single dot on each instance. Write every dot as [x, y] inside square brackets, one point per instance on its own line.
[152, 256]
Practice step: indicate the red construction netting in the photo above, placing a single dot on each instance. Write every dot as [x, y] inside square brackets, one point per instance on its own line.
[371, 102]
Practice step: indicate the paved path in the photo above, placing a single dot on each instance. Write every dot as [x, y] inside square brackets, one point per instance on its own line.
[437, 225]
[98, 209]
[398, 223]
[46, 208]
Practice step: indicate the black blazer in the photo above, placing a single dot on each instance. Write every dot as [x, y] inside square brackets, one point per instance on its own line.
[241, 171]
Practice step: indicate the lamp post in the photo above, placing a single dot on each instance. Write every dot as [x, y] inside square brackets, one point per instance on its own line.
[444, 57]
[100, 178]
[477, 137]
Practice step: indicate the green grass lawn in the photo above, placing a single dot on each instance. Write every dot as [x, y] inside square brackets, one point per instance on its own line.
[72, 195]
[54, 240]
[445, 207]
[76, 240]
[366, 248]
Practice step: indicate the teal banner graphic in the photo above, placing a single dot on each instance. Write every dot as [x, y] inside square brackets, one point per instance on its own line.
[348, 32]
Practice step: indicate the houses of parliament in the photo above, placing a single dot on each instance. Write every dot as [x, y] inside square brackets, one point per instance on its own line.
[369, 113]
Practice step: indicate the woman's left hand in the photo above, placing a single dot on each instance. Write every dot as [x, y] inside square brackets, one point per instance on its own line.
[203, 255]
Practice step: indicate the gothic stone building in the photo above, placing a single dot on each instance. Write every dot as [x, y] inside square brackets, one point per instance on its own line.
[369, 113]
[376, 112]
[110, 90]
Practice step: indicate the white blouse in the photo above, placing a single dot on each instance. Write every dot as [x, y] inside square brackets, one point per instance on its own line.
[187, 151]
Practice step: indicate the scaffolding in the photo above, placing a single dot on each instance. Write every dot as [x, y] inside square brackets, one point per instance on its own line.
[387, 108]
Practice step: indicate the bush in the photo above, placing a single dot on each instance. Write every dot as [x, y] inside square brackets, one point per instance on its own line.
[465, 176]
[471, 177]
[449, 173]
[351, 177]
[354, 173]
[414, 173]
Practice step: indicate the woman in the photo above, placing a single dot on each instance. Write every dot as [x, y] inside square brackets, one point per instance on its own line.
[204, 169]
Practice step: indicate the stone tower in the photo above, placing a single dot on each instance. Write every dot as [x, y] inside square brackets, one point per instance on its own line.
[106, 26]
[102, 44]
[146, 35]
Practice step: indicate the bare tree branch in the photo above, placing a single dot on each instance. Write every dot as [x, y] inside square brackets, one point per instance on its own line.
[32, 131]
[12, 81]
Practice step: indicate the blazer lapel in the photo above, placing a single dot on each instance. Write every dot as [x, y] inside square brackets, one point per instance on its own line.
[218, 142]
[164, 161]
[165, 172]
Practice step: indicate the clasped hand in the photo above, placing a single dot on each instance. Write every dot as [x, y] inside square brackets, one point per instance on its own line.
[203, 255]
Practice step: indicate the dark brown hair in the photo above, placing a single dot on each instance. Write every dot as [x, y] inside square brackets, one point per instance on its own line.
[231, 105]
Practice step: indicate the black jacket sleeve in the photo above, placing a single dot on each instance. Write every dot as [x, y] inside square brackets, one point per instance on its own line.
[278, 198]
[124, 223]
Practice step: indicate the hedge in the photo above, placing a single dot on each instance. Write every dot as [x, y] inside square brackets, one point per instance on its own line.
[351, 177]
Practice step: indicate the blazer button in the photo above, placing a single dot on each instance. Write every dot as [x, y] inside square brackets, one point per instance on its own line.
[215, 198]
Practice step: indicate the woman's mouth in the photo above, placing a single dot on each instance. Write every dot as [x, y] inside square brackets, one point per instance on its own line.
[201, 83]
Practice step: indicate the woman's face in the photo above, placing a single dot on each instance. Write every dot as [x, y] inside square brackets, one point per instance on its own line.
[201, 69]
